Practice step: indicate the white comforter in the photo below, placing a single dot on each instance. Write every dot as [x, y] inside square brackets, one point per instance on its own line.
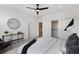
[44, 45]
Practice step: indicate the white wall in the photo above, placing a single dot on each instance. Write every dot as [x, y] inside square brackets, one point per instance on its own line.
[5, 15]
[64, 17]
[33, 27]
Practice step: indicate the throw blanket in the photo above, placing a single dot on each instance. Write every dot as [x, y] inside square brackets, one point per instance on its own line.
[25, 48]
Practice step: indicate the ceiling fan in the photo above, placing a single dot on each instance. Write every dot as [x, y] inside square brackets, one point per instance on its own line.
[37, 8]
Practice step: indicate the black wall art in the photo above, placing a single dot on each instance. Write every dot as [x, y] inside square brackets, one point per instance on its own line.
[70, 24]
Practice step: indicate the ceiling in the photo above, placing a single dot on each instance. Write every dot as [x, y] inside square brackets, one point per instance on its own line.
[53, 8]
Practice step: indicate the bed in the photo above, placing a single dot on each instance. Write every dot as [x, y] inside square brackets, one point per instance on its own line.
[44, 45]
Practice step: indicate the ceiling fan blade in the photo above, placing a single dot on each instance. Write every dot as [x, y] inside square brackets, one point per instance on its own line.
[30, 8]
[37, 12]
[43, 8]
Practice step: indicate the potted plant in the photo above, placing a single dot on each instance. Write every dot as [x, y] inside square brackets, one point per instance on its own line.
[6, 32]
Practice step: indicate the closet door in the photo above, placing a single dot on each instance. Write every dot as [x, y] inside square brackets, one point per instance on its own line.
[54, 28]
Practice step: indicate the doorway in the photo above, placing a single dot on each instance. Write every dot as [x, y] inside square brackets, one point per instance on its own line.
[54, 28]
[40, 29]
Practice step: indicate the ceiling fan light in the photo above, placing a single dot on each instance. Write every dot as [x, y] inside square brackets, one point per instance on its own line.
[37, 10]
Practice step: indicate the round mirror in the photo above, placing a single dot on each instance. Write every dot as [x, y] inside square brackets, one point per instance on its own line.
[13, 23]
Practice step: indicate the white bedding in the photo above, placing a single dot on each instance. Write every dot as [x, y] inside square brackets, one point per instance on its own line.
[57, 48]
[44, 45]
